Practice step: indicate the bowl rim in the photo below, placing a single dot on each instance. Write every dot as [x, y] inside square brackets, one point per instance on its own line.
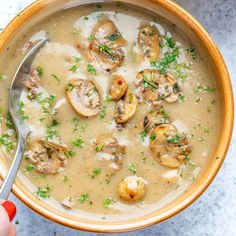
[43, 209]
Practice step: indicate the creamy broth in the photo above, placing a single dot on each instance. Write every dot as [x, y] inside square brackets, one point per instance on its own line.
[84, 182]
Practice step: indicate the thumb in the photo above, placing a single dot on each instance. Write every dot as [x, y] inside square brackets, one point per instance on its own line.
[5, 223]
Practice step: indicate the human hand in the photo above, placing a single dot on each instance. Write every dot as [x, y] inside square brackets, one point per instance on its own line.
[7, 213]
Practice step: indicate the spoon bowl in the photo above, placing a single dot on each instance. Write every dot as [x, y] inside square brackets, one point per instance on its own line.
[21, 127]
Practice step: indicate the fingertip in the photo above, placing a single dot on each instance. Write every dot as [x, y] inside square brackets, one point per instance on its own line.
[10, 209]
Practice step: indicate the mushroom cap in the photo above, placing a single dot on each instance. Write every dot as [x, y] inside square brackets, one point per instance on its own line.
[106, 47]
[148, 40]
[118, 87]
[169, 147]
[106, 32]
[125, 108]
[84, 97]
[132, 188]
[106, 154]
[155, 87]
[50, 166]
[153, 119]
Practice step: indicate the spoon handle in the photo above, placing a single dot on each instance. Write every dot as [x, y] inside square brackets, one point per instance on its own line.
[9, 180]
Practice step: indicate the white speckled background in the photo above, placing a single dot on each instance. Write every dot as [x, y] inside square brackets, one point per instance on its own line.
[214, 213]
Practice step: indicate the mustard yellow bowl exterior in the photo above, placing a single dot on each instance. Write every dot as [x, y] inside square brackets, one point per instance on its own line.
[188, 24]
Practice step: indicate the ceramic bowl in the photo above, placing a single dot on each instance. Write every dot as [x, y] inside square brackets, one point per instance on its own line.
[189, 26]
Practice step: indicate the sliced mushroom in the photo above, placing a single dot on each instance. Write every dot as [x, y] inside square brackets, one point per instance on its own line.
[155, 87]
[84, 97]
[48, 157]
[132, 188]
[106, 32]
[169, 147]
[109, 153]
[126, 108]
[118, 87]
[174, 95]
[155, 118]
[148, 39]
[106, 46]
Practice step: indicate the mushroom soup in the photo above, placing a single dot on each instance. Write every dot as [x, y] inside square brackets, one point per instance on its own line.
[123, 110]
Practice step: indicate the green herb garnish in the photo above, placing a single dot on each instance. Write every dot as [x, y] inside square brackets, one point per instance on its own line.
[106, 49]
[78, 142]
[173, 139]
[113, 37]
[132, 168]
[143, 135]
[91, 69]
[73, 68]
[96, 172]
[40, 70]
[107, 202]
[83, 197]
[99, 147]
[56, 77]
[43, 192]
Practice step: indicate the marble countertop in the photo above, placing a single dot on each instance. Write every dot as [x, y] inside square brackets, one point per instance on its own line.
[214, 213]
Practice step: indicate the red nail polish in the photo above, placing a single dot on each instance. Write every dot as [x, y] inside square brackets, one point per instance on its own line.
[10, 209]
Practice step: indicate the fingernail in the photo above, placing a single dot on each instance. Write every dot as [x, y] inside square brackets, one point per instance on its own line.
[10, 209]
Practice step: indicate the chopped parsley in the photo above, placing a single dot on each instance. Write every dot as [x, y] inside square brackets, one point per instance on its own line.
[75, 121]
[153, 137]
[9, 122]
[107, 202]
[201, 88]
[43, 192]
[99, 147]
[96, 172]
[168, 41]
[113, 37]
[56, 77]
[132, 169]
[163, 113]
[29, 168]
[83, 197]
[164, 64]
[2, 77]
[22, 110]
[78, 142]
[40, 70]
[65, 179]
[51, 131]
[149, 83]
[102, 112]
[77, 59]
[192, 52]
[108, 100]
[73, 68]
[5, 141]
[91, 38]
[91, 69]
[70, 87]
[173, 139]
[70, 153]
[143, 135]
[106, 49]
[181, 97]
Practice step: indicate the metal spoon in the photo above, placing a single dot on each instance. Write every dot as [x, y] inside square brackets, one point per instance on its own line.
[21, 127]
